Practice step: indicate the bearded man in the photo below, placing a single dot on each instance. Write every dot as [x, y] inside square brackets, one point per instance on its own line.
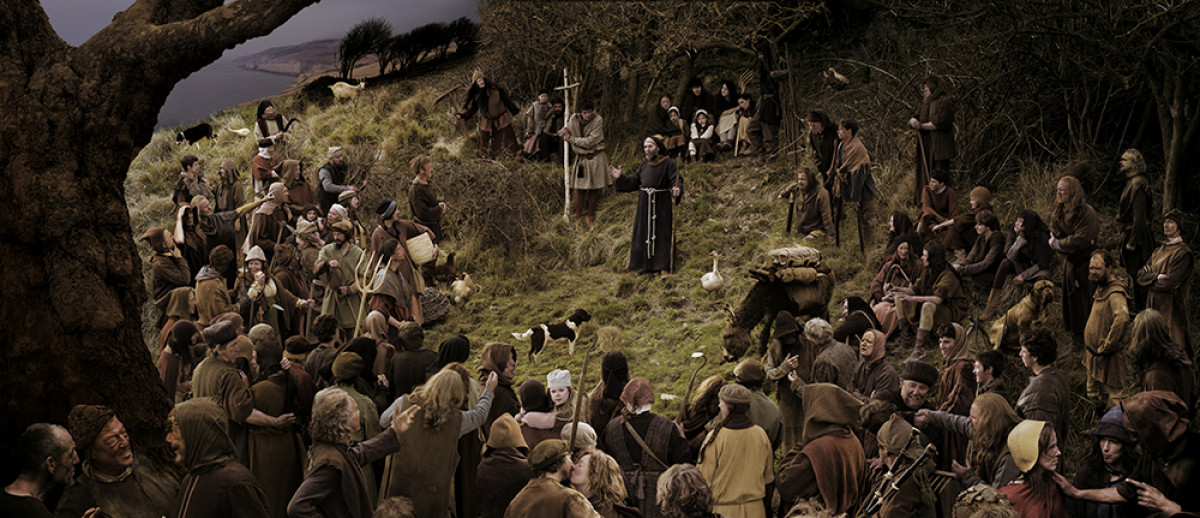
[653, 246]
[1104, 337]
[335, 266]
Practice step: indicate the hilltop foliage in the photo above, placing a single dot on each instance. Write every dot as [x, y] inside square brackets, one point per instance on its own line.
[504, 220]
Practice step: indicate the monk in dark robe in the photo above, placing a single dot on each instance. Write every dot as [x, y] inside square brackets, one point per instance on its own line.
[653, 245]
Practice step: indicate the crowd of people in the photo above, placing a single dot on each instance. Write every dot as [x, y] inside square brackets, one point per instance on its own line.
[284, 408]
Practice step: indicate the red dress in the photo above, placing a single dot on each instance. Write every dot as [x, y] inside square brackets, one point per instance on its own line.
[1028, 505]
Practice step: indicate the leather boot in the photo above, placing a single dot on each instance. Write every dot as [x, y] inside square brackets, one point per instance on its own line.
[989, 311]
[920, 343]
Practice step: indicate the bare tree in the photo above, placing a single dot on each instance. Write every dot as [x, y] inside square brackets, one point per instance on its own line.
[71, 121]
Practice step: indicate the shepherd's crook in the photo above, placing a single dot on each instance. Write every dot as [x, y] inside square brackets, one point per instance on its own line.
[687, 394]
[579, 394]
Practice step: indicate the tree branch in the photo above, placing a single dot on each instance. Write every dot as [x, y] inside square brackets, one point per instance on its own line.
[27, 34]
[161, 12]
[195, 42]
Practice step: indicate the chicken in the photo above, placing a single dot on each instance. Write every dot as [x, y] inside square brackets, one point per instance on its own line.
[463, 289]
[712, 281]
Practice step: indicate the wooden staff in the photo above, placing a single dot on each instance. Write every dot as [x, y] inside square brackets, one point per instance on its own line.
[579, 394]
[687, 394]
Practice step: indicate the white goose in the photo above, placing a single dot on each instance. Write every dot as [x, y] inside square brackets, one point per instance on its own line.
[712, 281]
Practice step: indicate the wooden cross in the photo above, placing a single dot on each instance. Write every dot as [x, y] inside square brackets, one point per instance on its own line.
[566, 90]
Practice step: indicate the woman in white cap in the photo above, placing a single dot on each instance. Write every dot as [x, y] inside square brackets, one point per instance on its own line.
[1034, 447]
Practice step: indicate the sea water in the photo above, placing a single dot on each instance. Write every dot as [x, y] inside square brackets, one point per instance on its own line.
[219, 85]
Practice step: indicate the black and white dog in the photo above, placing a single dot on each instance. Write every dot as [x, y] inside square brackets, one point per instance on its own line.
[568, 330]
[193, 134]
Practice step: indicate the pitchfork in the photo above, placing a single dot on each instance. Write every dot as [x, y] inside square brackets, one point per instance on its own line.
[369, 283]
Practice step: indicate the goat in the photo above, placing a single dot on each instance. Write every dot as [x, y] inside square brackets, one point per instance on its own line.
[242, 132]
[343, 90]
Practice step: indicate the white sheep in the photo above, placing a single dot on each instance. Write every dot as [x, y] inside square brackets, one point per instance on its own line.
[343, 90]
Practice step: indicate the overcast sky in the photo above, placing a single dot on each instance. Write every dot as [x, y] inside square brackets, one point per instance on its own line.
[78, 20]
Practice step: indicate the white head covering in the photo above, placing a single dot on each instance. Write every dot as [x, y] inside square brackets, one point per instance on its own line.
[558, 378]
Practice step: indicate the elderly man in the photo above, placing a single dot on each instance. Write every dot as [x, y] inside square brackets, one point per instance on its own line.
[216, 378]
[113, 478]
[545, 496]
[48, 458]
[334, 485]
[644, 444]
[331, 179]
[335, 267]
[1104, 335]
[216, 485]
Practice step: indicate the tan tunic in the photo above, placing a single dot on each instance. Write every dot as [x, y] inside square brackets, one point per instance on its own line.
[738, 465]
[344, 307]
[590, 170]
[1104, 335]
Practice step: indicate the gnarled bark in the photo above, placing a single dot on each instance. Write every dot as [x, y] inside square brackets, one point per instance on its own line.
[71, 118]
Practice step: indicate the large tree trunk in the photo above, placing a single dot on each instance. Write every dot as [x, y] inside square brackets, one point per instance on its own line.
[71, 120]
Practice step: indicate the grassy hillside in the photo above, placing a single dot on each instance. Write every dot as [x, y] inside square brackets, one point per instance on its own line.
[505, 225]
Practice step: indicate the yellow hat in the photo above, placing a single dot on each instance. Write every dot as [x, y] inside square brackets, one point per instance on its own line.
[1023, 443]
[477, 75]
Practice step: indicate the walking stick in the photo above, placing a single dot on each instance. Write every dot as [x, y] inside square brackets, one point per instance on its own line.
[925, 166]
[858, 211]
[579, 394]
[791, 210]
[687, 394]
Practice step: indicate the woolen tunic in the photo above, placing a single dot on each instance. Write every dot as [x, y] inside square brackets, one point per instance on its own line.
[1104, 338]
[738, 464]
[1169, 296]
[1076, 239]
[590, 169]
[144, 492]
[276, 455]
[334, 485]
[661, 176]
[423, 469]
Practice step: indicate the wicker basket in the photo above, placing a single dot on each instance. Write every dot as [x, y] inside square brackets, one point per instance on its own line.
[435, 305]
[420, 248]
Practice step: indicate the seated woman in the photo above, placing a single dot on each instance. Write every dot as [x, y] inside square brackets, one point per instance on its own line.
[659, 124]
[1027, 256]
[981, 264]
[935, 298]
[859, 318]
[1034, 494]
[987, 425]
[898, 272]
[677, 143]
[900, 227]
[960, 233]
[939, 204]
[700, 149]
